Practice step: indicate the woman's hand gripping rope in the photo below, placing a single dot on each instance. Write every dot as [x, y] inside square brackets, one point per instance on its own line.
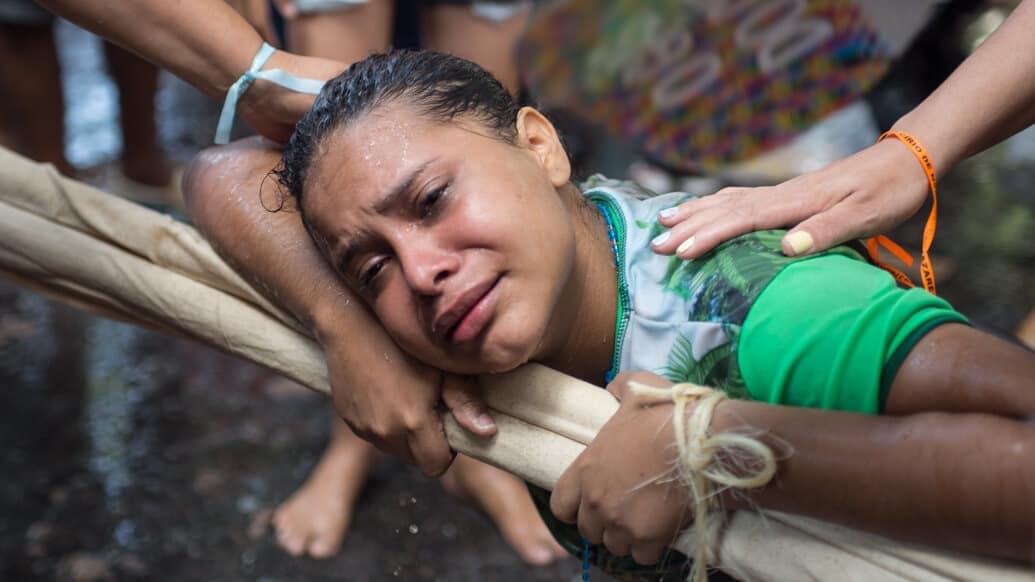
[633, 491]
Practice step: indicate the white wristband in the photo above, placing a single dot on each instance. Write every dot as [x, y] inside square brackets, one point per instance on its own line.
[276, 76]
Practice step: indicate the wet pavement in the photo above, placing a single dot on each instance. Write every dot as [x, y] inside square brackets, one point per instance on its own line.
[128, 455]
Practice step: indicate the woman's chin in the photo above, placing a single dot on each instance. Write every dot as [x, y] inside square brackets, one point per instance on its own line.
[495, 359]
[495, 354]
[497, 364]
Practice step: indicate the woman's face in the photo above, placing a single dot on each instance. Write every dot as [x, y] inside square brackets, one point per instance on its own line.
[458, 240]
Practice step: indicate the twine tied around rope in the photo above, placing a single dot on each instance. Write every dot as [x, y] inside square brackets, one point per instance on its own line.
[707, 463]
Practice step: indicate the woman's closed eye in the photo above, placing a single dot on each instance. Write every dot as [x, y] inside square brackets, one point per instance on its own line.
[371, 268]
[430, 202]
[369, 271]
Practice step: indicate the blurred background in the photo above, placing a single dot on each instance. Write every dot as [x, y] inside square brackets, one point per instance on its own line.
[128, 455]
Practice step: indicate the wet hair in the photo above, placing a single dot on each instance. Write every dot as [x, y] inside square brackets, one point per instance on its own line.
[439, 86]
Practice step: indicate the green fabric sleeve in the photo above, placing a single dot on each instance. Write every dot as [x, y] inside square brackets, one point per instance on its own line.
[830, 332]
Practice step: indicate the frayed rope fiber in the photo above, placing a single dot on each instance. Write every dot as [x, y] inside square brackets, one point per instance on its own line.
[708, 464]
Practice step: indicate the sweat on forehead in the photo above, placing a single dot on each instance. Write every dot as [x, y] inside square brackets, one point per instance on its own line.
[375, 166]
[438, 85]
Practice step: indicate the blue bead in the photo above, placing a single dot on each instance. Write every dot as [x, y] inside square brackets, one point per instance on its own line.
[585, 560]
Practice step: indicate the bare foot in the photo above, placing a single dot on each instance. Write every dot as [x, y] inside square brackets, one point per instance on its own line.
[315, 519]
[507, 502]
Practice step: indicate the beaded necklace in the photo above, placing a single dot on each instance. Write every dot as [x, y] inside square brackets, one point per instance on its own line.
[610, 375]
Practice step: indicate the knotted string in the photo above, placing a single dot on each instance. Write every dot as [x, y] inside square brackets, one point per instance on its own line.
[727, 460]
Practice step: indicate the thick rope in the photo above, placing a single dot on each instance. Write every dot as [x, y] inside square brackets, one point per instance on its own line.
[726, 460]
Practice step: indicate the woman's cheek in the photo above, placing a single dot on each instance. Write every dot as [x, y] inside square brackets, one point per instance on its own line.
[399, 318]
[521, 333]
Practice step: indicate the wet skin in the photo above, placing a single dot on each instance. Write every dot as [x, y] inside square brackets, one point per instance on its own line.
[463, 243]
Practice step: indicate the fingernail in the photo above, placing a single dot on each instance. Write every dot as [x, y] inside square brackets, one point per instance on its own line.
[661, 238]
[483, 420]
[686, 245]
[668, 212]
[801, 242]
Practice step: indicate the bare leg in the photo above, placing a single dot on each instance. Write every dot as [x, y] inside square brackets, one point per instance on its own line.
[956, 368]
[507, 502]
[458, 31]
[347, 35]
[30, 76]
[315, 519]
[137, 80]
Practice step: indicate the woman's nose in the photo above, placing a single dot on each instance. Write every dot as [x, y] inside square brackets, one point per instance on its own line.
[427, 267]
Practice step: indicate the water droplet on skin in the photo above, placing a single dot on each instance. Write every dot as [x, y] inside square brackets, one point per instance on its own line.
[396, 571]
[414, 529]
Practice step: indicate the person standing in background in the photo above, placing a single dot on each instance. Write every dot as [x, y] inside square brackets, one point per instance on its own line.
[33, 116]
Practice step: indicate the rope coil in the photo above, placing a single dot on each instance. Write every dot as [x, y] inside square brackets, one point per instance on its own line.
[707, 463]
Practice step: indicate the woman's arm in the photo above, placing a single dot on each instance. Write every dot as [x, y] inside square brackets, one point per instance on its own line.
[988, 98]
[206, 43]
[384, 395]
[961, 481]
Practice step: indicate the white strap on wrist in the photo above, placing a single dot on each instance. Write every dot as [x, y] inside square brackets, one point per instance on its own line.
[276, 76]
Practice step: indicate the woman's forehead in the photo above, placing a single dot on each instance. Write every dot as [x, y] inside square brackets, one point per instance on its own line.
[378, 148]
[358, 165]
[363, 156]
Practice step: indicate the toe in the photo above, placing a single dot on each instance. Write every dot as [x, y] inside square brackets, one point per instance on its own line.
[322, 548]
[292, 543]
[538, 555]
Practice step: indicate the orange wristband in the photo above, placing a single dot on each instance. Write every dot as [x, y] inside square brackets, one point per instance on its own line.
[873, 244]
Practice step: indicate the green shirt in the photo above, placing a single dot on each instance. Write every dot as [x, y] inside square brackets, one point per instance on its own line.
[823, 331]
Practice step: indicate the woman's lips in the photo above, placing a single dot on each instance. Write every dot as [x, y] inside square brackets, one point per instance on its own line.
[473, 322]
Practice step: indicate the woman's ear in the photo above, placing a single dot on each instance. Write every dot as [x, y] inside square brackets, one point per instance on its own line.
[537, 134]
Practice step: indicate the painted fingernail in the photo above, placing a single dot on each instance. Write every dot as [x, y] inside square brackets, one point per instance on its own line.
[661, 238]
[801, 242]
[668, 212]
[686, 245]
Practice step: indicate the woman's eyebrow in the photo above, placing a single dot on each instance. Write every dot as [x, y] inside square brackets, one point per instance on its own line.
[391, 198]
[353, 244]
[349, 249]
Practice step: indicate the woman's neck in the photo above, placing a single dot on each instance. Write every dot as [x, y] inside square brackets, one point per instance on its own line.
[580, 340]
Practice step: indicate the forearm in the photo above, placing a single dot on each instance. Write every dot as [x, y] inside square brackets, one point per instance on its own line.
[205, 42]
[230, 195]
[955, 480]
[208, 44]
[988, 98]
